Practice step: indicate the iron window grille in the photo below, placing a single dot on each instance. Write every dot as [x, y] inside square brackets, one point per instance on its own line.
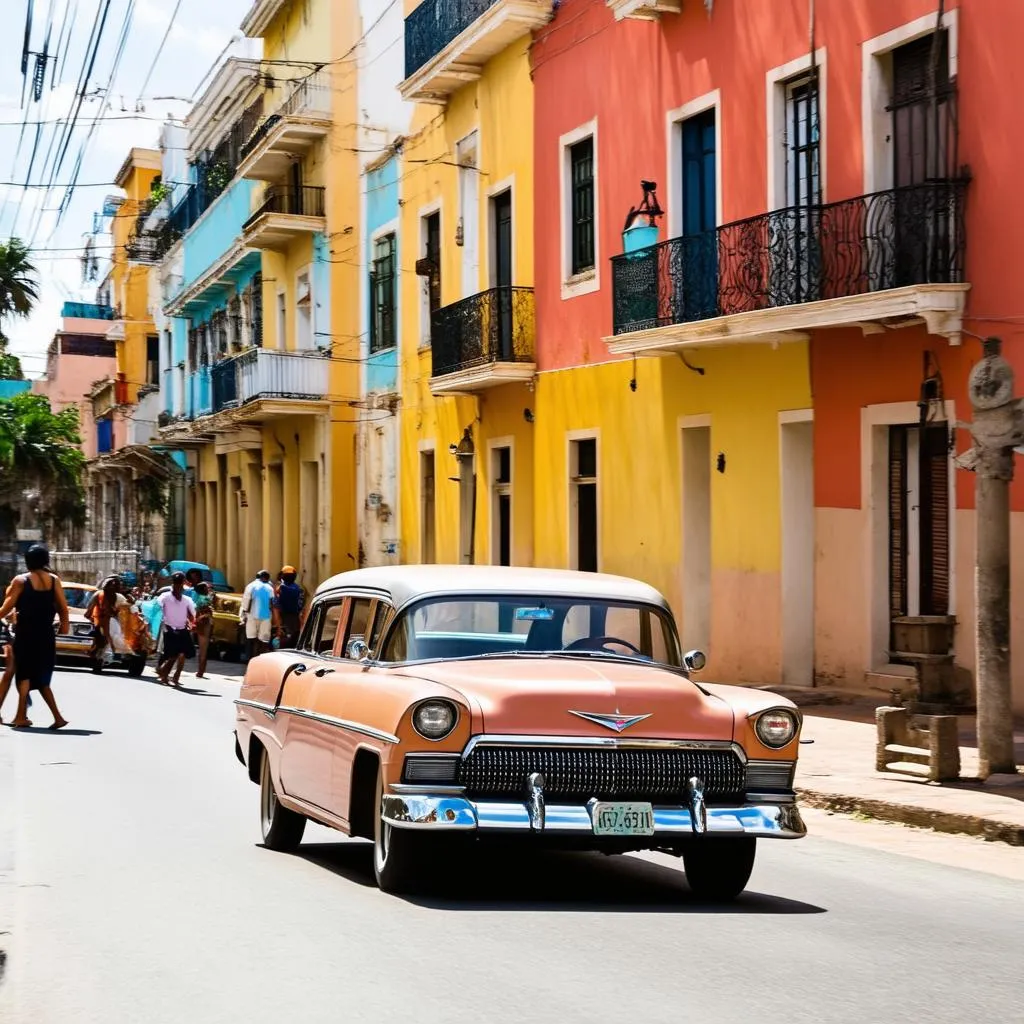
[581, 173]
[382, 295]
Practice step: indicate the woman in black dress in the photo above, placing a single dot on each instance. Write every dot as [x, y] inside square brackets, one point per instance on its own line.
[37, 596]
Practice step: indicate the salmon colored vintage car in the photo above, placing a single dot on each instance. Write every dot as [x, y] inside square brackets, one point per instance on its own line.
[429, 705]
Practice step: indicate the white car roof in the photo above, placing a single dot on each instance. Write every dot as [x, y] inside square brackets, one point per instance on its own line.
[405, 583]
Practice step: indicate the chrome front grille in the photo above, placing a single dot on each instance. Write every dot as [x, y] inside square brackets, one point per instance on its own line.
[608, 773]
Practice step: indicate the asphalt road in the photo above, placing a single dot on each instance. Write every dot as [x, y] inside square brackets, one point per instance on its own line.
[139, 893]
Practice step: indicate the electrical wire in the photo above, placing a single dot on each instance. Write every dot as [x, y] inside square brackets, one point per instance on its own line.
[159, 51]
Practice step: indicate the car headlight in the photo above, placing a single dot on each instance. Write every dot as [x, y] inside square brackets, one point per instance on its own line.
[434, 719]
[775, 728]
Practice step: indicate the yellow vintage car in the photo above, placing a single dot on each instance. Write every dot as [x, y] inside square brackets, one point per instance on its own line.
[76, 645]
[227, 639]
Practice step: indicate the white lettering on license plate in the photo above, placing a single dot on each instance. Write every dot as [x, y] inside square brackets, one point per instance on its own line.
[623, 819]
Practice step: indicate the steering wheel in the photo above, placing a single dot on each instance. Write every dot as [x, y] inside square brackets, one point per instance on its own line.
[601, 643]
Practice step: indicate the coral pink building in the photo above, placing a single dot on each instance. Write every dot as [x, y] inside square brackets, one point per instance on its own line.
[761, 383]
[81, 357]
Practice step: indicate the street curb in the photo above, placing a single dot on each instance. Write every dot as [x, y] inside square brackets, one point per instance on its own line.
[990, 829]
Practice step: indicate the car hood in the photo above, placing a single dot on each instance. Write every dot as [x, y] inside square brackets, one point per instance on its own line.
[538, 696]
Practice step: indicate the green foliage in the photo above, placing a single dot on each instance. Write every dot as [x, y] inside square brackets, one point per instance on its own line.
[41, 453]
[19, 286]
[159, 193]
[10, 367]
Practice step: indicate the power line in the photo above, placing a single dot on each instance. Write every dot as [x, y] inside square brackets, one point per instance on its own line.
[159, 51]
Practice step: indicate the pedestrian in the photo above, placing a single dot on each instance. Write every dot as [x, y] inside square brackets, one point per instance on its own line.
[289, 601]
[204, 623]
[37, 595]
[7, 643]
[179, 615]
[102, 611]
[257, 603]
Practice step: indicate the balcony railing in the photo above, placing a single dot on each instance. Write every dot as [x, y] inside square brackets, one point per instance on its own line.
[912, 235]
[496, 326]
[260, 373]
[434, 24]
[310, 98]
[304, 201]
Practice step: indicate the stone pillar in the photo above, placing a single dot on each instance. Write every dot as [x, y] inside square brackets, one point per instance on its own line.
[996, 432]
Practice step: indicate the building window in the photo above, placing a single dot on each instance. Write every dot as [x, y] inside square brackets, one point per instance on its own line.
[282, 320]
[303, 312]
[501, 505]
[803, 143]
[256, 309]
[583, 525]
[919, 153]
[382, 295]
[104, 435]
[429, 269]
[581, 177]
[153, 359]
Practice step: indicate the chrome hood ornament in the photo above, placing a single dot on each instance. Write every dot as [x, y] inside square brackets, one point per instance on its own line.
[616, 722]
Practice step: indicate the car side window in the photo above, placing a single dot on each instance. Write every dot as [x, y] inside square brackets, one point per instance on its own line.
[327, 633]
[360, 609]
[310, 629]
[380, 619]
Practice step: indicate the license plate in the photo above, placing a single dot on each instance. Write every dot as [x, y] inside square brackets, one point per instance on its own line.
[623, 820]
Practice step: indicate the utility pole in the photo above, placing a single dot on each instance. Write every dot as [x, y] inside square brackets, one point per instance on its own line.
[996, 429]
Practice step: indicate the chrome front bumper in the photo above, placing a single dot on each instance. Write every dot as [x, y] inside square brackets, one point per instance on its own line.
[457, 813]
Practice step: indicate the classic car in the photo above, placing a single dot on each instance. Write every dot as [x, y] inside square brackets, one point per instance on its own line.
[429, 705]
[76, 645]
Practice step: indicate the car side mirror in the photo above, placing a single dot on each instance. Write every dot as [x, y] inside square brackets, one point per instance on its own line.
[694, 661]
[358, 650]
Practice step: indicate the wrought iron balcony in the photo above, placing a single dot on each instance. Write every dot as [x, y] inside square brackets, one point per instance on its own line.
[485, 340]
[447, 42]
[285, 213]
[298, 124]
[145, 248]
[861, 247]
[262, 374]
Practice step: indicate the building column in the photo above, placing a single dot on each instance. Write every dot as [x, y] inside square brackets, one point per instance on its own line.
[210, 547]
[253, 520]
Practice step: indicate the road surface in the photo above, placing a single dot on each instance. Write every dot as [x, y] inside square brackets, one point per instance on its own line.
[139, 893]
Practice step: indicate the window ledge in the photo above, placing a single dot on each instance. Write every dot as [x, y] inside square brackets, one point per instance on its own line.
[581, 284]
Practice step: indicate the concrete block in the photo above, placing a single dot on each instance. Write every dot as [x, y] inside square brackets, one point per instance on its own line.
[927, 740]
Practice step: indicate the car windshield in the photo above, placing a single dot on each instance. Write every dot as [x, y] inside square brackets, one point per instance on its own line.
[76, 597]
[472, 627]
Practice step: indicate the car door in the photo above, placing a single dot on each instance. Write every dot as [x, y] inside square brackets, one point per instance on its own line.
[307, 753]
[354, 691]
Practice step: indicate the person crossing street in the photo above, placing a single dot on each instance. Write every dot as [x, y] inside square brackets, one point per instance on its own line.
[257, 605]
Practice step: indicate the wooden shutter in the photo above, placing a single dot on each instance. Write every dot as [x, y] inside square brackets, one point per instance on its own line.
[897, 521]
[935, 520]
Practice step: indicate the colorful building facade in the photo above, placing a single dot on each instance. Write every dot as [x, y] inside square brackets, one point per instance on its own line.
[466, 301]
[748, 399]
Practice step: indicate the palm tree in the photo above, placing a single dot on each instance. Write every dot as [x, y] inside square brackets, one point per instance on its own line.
[41, 464]
[19, 287]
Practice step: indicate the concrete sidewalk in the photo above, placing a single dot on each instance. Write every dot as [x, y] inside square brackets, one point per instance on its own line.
[837, 772]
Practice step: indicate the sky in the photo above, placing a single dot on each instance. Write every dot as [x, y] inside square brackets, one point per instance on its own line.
[119, 109]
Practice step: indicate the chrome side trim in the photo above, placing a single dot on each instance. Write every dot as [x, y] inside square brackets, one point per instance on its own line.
[443, 812]
[340, 723]
[620, 742]
[267, 709]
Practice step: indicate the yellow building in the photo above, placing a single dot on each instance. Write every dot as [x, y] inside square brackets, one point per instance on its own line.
[267, 313]
[137, 351]
[467, 323]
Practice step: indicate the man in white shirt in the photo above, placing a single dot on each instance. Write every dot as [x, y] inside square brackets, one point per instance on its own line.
[257, 602]
[179, 615]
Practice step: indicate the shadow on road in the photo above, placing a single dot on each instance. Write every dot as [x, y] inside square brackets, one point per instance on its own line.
[490, 880]
[45, 730]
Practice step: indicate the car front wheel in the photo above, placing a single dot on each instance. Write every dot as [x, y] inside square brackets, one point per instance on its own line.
[718, 869]
[398, 853]
[282, 829]
[136, 666]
